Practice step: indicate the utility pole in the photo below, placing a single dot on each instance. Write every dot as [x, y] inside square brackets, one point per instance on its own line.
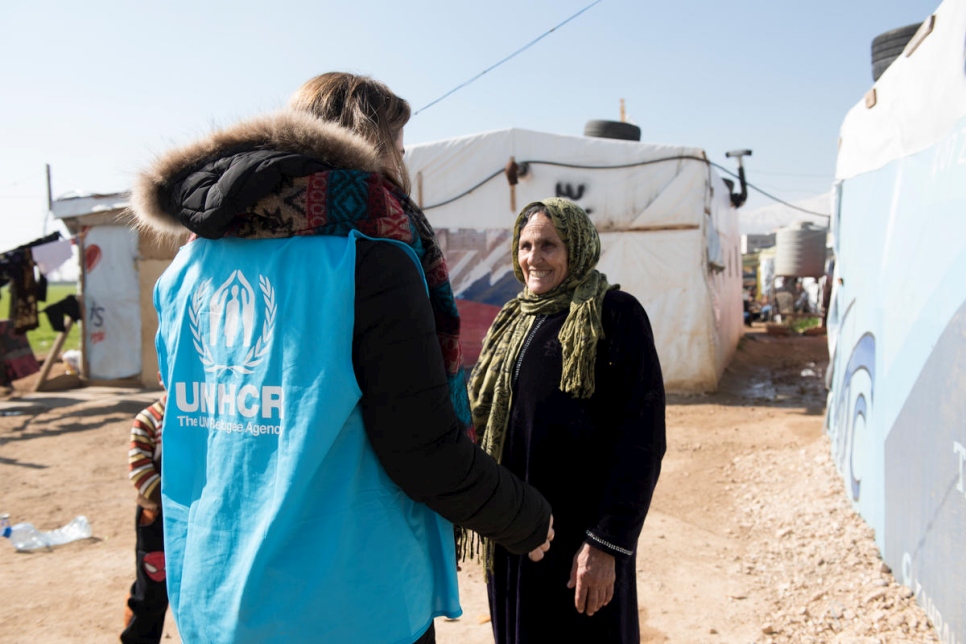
[50, 201]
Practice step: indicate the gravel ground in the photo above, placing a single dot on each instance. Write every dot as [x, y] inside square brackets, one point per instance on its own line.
[813, 561]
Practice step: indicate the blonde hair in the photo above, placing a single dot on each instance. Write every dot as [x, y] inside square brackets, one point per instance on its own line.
[363, 105]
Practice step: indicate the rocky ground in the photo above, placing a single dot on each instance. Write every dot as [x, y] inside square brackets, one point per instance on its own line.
[810, 561]
[811, 565]
[750, 539]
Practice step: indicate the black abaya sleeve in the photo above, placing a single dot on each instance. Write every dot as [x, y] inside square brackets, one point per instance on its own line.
[630, 391]
[409, 419]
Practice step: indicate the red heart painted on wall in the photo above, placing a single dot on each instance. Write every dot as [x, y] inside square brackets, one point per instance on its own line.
[92, 255]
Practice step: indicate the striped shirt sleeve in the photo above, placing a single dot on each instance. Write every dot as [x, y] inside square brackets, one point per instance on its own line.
[145, 451]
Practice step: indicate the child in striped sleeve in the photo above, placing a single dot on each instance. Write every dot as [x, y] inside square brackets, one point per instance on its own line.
[148, 599]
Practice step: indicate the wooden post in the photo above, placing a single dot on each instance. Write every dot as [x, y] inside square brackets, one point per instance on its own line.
[81, 240]
[511, 177]
[52, 355]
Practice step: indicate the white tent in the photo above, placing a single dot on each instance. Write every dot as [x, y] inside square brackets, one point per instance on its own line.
[669, 233]
[897, 324]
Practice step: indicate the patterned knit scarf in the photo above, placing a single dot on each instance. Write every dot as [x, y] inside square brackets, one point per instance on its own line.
[335, 202]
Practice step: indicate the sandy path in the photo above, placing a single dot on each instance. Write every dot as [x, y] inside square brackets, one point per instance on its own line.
[750, 537]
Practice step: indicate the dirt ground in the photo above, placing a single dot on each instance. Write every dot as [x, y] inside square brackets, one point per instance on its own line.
[750, 537]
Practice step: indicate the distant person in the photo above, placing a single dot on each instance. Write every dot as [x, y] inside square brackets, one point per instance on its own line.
[785, 297]
[802, 304]
[311, 471]
[767, 311]
[826, 290]
[746, 300]
[569, 395]
[147, 602]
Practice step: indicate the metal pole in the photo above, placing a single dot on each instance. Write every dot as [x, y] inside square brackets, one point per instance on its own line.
[50, 202]
[50, 195]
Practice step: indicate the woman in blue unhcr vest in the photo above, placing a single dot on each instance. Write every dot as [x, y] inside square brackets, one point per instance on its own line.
[317, 440]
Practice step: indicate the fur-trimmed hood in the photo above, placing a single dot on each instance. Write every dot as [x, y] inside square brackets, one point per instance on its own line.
[203, 185]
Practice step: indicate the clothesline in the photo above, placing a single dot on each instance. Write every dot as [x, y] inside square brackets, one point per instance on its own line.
[52, 237]
[26, 268]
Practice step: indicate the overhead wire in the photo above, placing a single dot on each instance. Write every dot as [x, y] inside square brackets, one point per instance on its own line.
[513, 55]
[801, 175]
[611, 167]
[771, 196]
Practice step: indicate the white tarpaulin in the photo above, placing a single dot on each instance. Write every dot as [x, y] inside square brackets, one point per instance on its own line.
[911, 108]
[897, 322]
[112, 315]
[660, 210]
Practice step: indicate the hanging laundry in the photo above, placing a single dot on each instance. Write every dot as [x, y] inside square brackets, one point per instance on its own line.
[9, 264]
[68, 306]
[52, 255]
[24, 294]
[18, 268]
[16, 357]
[41, 288]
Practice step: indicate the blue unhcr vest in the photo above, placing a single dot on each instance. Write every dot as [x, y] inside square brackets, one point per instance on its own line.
[280, 524]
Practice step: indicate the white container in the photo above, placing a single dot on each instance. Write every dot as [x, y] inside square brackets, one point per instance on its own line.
[800, 250]
[24, 536]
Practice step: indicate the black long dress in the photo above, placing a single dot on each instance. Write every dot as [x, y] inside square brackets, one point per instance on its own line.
[597, 462]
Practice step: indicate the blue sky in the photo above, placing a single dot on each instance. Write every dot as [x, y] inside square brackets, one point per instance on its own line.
[95, 89]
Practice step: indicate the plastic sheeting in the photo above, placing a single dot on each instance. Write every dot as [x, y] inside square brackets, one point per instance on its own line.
[668, 191]
[897, 322]
[656, 217]
[894, 127]
[112, 315]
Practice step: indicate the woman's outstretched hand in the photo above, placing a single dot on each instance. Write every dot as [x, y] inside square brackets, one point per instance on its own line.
[537, 553]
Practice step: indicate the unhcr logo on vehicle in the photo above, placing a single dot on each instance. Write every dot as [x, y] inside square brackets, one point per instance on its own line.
[226, 344]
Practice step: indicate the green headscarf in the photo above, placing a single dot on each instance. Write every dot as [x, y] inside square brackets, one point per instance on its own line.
[581, 292]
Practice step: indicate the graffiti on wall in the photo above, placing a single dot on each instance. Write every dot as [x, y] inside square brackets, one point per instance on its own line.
[96, 322]
[572, 192]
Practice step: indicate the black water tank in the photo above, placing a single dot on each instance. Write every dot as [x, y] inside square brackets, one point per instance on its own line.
[613, 130]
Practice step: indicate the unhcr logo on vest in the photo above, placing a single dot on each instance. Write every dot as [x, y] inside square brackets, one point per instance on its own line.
[230, 336]
[223, 324]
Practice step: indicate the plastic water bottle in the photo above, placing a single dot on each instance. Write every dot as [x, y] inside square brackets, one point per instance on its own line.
[24, 536]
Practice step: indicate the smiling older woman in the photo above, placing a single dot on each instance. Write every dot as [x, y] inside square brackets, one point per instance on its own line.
[569, 396]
